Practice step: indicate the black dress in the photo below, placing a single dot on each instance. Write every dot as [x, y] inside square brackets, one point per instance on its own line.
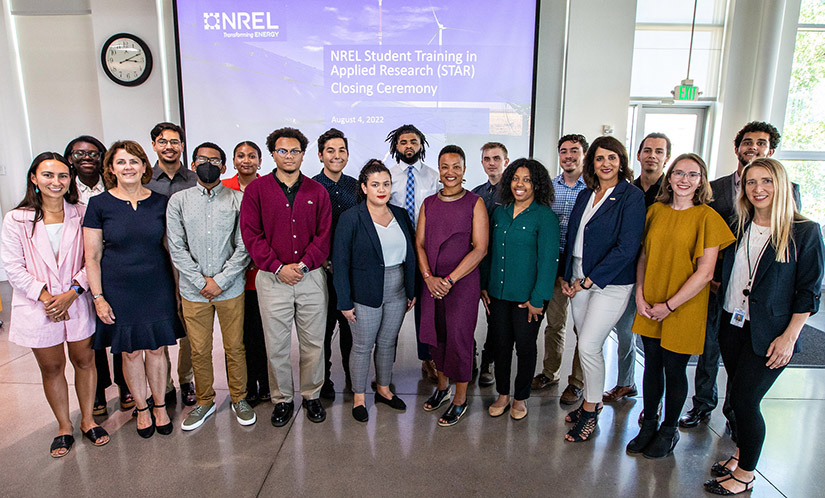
[136, 274]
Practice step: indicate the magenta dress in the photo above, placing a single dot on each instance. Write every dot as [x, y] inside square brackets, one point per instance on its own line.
[448, 325]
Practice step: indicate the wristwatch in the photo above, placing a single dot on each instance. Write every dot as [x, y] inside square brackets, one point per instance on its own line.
[304, 268]
[581, 283]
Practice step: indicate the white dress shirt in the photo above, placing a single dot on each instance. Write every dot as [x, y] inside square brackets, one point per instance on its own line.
[85, 192]
[426, 184]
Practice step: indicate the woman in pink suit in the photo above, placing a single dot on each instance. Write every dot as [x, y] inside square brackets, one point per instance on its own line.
[42, 253]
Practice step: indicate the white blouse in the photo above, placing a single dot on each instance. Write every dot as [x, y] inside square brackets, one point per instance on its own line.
[393, 243]
[55, 231]
[589, 211]
[734, 298]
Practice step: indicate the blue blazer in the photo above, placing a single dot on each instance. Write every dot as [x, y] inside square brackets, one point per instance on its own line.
[781, 289]
[612, 237]
[358, 261]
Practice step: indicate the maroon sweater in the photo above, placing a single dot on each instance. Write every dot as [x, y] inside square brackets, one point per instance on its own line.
[276, 233]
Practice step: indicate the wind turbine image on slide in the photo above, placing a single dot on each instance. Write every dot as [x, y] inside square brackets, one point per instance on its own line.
[441, 29]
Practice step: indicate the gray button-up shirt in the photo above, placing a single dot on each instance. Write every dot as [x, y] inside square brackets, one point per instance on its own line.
[203, 231]
[161, 183]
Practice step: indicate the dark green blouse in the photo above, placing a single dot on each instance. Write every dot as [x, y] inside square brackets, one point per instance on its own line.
[523, 256]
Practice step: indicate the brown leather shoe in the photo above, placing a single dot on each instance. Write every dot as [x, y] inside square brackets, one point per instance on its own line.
[619, 392]
[542, 381]
[570, 395]
[428, 370]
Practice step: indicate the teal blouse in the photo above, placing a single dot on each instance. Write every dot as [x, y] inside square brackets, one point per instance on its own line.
[523, 256]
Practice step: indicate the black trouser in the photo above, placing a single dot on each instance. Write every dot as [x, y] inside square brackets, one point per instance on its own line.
[344, 332]
[508, 325]
[749, 381]
[665, 373]
[257, 374]
[488, 354]
[104, 378]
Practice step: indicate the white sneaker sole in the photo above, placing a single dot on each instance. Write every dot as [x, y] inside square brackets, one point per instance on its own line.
[200, 422]
[242, 421]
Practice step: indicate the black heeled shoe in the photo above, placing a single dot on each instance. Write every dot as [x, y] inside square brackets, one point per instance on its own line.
[452, 415]
[585, 427]
[146, 432]
[644, 438]
[573, 417]
[437, 399]
[163, 430]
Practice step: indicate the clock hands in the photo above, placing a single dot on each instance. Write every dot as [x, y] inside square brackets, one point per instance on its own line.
[130, 58]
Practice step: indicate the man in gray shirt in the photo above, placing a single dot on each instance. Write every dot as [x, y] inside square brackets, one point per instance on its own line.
[170, 176]
[204, 237]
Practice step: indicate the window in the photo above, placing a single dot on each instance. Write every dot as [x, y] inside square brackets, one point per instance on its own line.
[803, 141]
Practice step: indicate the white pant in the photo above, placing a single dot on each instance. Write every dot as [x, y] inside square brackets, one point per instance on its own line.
[595, 312]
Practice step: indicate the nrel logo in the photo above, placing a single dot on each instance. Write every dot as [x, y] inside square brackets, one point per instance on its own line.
[238, 21]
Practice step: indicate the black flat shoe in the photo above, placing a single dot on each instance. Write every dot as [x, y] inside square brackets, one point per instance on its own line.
[714, 486]
[663, 444]
[693, 418]
[96, 433]
[61, 442]
[394, 403]
[722, 469]
[437, 399]
[146, 432]
[282, 413]
[315, 410]
[360, 414]
[163, 430]
[452, 415]
[187, 394]
[328, 390]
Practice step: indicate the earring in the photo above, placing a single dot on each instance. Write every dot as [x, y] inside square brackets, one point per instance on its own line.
[36, 190]
[669, 188]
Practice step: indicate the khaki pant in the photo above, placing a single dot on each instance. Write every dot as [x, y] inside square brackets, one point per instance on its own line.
[305, 304]
[554, 340]
[200, 319]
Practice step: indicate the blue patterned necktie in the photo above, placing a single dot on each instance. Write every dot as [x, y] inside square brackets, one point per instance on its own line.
[409, 199]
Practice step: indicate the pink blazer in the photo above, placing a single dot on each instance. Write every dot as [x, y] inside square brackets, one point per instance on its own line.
[30, 264]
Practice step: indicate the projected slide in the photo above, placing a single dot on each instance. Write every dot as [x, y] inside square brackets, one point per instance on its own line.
[461, 71]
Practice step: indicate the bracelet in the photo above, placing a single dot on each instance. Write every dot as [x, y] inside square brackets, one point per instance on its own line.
[449, 279]
[668, 306]
[95, 296]
[581, 284]
[426, 274]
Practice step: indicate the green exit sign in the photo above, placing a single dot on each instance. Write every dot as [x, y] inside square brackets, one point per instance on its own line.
[685, 92]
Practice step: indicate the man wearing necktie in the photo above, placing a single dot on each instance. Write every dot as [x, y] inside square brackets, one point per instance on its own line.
[412, 182]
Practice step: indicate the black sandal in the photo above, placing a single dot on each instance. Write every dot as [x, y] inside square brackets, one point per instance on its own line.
[573, 416]
[163, 430]
[61, 442]
[438, 398]
[96, 433]
[585, 426]
[715, 487]
[452, 415]
[721, 470]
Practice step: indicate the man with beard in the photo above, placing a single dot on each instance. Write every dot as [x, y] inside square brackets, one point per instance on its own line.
[205, 245]
[285, 223]
[333, 151]
[566, 187]
[86, 153]
[755, 139]
[493, 159]
[412, 182]
[653, 154]
[170, 176]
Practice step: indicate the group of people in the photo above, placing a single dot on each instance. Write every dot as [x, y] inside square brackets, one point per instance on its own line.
[109, 251]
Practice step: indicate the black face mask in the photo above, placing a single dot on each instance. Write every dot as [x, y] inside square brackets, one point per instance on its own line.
[208, 173]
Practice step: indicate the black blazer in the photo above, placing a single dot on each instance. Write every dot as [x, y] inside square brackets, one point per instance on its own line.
[612, 237]
[724, 202]
[781, 289]
[358, 261]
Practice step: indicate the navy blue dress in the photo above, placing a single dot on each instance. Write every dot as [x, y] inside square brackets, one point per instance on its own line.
[136, 274]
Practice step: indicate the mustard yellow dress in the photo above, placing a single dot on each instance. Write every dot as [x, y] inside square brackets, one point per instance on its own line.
[674, 241]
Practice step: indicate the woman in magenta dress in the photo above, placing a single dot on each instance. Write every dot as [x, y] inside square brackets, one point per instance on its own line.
[450, 246]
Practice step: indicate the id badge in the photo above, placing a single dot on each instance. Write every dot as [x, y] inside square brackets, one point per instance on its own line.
[738, 317]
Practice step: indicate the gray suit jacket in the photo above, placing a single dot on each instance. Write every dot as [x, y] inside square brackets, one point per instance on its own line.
[723, 197]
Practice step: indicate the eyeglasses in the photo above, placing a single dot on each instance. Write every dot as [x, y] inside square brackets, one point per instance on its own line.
[693, 175]
[163, 142]
[214, 161]
[284, 152]
[80, 154]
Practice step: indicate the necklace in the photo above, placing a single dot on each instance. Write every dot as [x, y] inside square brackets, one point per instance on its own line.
[53, 212]
[451, 196]
[761, 230]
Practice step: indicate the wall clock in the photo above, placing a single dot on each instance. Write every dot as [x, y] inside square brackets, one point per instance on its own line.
[126, 59]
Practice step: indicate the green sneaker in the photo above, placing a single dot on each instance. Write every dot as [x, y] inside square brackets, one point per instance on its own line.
[244, 413]
[197, 416]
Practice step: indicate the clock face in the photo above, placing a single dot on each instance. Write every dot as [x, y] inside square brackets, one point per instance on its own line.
[126, 59]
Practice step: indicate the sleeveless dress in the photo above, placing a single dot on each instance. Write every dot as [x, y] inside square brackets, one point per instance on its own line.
[448, 325]
[136, 274]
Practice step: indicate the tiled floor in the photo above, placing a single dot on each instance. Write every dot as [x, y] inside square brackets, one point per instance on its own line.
[398, 454]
